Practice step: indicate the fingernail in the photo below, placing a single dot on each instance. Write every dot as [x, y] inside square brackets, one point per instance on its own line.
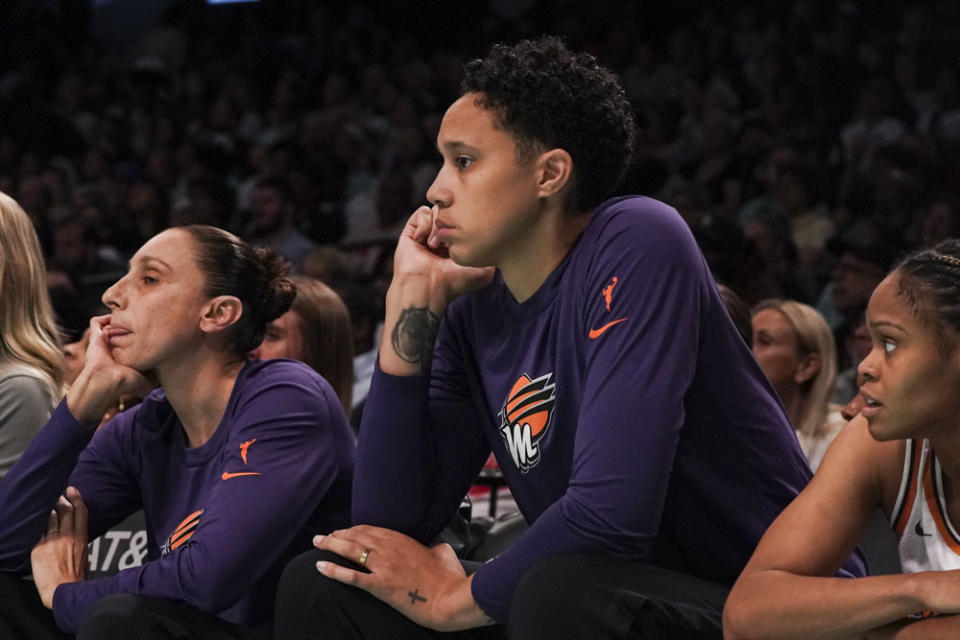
[322, 566]
[317, 540]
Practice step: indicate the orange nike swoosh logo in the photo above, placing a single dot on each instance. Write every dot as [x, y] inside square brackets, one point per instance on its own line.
[227, 475]
[596, 333]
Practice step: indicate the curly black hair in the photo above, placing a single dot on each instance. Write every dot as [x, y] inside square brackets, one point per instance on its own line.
[549, 97]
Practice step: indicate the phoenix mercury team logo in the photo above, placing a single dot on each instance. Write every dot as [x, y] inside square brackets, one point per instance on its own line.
[525, 417]
[183, 532]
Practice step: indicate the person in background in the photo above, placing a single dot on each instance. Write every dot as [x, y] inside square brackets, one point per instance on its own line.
[31, 363]
[795, 349]
[273, 221]
[316, 331]
[739, 313]
[901, 454]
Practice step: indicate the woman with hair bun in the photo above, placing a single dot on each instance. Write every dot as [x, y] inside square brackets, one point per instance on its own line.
[236, 463]
[900, 454]
[31, 364]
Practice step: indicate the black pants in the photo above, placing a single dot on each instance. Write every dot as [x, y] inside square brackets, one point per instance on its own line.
[568, 596]
[123, 615]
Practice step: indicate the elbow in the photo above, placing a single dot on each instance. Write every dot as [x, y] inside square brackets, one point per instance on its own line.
[213, 591]
[213, 596]
[738, 617]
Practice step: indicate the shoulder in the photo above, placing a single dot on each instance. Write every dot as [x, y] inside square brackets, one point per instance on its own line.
[22, 384]
[283, 380]
[640, 217]
[280, 371]
[644, 243]
[637, 227]
[855, 457]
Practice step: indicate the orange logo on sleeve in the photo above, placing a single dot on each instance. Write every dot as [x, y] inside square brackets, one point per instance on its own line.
[607, 292]
[244, 446]
[182, 532]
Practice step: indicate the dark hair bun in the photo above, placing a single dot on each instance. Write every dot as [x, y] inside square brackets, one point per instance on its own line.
[279, 291]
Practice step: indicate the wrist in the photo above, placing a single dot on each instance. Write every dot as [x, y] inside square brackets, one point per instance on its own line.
[417, 290]
[455, 609]
[917, 590]
[92, 393]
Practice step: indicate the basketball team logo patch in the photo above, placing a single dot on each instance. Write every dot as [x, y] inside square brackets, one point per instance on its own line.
[525, 418]
[183, 532]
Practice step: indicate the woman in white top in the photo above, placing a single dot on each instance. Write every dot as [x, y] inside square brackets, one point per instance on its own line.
[901, 454]
[795, 349]
[31, 362]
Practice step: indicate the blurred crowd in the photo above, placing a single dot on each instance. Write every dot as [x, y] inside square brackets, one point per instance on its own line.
[806, 143]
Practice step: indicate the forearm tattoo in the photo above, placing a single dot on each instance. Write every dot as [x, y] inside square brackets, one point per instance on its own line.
[414, 335]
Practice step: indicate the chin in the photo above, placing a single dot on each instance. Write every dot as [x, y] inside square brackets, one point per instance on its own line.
[466, 259]
[881, 434]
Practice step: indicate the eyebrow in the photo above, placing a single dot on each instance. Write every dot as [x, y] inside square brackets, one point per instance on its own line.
[887, 323]
[454, 145]
[147, 260]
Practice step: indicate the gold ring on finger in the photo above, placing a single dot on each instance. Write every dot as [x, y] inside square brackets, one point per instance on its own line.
[363, 557]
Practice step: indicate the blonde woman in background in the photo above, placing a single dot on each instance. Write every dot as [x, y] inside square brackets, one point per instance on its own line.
[315, 331]
[795, 349]
[31, 361]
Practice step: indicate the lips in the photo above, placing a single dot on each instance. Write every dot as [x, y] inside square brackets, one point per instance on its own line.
[114, 331]
[870, 405]
[442, 230]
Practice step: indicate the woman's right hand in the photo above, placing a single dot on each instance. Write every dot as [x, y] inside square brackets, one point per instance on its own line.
[103, 380]
[420, 255]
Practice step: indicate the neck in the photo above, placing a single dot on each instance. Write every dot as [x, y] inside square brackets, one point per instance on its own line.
[526, 268]
[198, 389]
[792, 401]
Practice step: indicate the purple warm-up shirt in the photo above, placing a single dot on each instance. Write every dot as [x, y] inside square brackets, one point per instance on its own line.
[222, 518]
[627, 414]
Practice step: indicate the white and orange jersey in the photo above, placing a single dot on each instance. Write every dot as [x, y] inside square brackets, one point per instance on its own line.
[928, 541]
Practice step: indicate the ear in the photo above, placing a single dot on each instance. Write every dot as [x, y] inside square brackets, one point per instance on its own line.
[807, 368]
[220, 313]
[555, 168]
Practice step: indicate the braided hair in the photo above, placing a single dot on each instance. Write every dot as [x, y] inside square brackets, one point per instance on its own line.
[930, 284]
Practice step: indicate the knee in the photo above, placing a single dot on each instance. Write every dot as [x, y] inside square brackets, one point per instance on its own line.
[111, 617]
[305, 596]
[301, 582]
[546, 592]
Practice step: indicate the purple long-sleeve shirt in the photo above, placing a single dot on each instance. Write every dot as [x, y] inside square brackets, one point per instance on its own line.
[626, 413]
[222, 518]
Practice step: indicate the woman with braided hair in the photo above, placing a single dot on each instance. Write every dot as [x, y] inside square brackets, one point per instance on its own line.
[900, 454]
[236, 463]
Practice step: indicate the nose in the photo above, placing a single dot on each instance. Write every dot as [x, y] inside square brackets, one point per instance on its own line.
[112, 296]
[256, 354]
[438, 194]
[867, 369]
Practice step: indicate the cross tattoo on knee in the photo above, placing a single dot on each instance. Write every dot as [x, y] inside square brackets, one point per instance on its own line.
[414, 596]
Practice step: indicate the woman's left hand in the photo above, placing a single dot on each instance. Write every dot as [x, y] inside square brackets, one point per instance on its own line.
[61, 554]
[427, 585]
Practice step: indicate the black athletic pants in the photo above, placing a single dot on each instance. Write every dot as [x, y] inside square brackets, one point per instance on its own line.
[124, 615]
[568, 596]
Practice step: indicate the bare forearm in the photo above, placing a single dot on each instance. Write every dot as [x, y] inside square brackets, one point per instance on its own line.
[938, 628]
[777, 604]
